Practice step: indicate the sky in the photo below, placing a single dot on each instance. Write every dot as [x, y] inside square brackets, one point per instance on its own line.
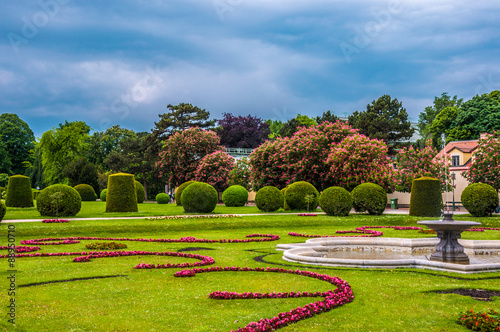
[122, 61]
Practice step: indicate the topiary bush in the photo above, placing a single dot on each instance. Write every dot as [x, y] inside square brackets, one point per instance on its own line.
[297, 193]
[103, 195]
[59, 200]
[121, 195]
[162, 198]
[283, 192]
[369, 197]
[235, 196]
[199, 197]
[87, 193]
[269, 199]
[179, 190]
[426, 199]
[19, 192]
[3, 210]
[140, 192]
[336, 201]
[35, 193]
[480, 199]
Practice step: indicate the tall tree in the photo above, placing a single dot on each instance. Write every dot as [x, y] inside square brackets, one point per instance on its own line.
[385, 119]
[443, 123]
[81, 171]
[214, 169]
[426, 117]
[242, 131]
[327, 116]
[18, 140]
[35, 170]
[292, 126]
[102, 143]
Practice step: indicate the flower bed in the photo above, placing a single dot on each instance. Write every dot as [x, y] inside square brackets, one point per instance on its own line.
[359, 230]
[105, 245]
[21, 248]
[480, 321]
[54, 221]
[208, 216]
[307, 214]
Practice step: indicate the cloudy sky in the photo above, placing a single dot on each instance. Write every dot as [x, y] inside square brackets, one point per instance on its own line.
[123, 61]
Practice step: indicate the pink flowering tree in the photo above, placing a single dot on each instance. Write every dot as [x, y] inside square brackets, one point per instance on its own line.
[485, 165]
[358, 159]
[214, 169]
[413, 164]
[182, 153]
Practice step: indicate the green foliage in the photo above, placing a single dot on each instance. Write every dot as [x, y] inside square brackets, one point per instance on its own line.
[426, 117]
[426, 199]
[4, 179]
[105, 245]
[240, 174]
[86, 192]
[59, 200]
[81, 171]
[35, 193]
[327, 117]
[369, 197]
[480, 321]
[101, 144]
[141, 194]
[121, 195]
[479, 199]
[3, 210]
[292, 126]
[283, 192]
[214, 169]
[19, 192]
[179, 190]
[235, 196]
[103, 195]
[442, 124]
[16, 141]
[336, 201]
[274, 127]
[162, 198]
[269, 199]
[295, 196]
[199, 197]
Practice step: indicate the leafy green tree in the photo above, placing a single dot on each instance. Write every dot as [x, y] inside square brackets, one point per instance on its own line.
[426, 117]
[5, 163]
[81, 171]
[17, 140]
[327, 116]
[442, 124]
[35, 169]
[240, 174]
[274, 127]
[292, 126]
[384, 119]
[101, 143]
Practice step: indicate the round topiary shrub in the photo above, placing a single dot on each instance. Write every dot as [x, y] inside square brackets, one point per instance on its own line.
[3, 210]
[103, 195]
[179, 190]
[269, 199]
[140, 192]
[336, 201]
[369, 197]
[480, 199]
[121, 195]
[426, 199]
[19, 192]
[86, 192]
[162, 198]
[59, 200]
[298, 194]
[235, 196]
[199, 197]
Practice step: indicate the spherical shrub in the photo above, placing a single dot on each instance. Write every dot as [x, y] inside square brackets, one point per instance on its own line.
[121, 195]
[162, 198]
[269, 199]
[235, 196]
[179, 190]
[59, 200]
[19, 192]
[480, 199]
[199, 197]
[3, 210]
[336, 201]
[298, 194]
[86, 192]
[369, 197]
[103, 195]
[140, 192]
[426, 199]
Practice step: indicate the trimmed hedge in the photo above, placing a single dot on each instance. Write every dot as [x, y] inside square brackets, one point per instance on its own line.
[59, 200]
[480, 199]
[179, 190]
[19, 192]
[235, 195]
[35, 193]
[140, 192]
[269, 199]
[199, 197]
[103, 195]
[87, 193]
[295, 196]
[3, 210]
[369, 197]
[162, 198]
[426, 199]
[121, 195]
[336, 201]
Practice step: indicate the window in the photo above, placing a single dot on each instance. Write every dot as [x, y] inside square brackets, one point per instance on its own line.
[455, 160]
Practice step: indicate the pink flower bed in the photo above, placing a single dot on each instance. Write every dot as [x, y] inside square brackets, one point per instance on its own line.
[21, 248]
[307, 214]
[52, 221]
[359, 230]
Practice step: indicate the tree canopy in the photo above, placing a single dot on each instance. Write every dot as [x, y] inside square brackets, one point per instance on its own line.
[242, 131]
[293, 125]
[327, 116]
[17, 141]
[102, 143]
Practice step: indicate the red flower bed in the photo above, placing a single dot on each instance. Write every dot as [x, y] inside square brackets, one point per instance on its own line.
[359, 230]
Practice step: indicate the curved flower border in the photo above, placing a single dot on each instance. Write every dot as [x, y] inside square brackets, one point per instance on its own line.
[21, 248]
[359, 230]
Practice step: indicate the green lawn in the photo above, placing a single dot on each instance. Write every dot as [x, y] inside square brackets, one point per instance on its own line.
[155, 300]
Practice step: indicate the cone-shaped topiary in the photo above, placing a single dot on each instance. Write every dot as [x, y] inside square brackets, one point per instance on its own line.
[269, 199]
[480, 199]
[298, 194]
[179, 190]
[336, 201]
[235, 196]
[162, 198]
[19, 192]
[103, 195]
[426, 199]
[87, 193]
[140, 192]
[3, 210]
[199, 197]
[59, 200]
[369, 197]
[121, 195]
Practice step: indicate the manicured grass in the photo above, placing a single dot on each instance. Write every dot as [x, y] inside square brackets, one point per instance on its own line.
[155, 300]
